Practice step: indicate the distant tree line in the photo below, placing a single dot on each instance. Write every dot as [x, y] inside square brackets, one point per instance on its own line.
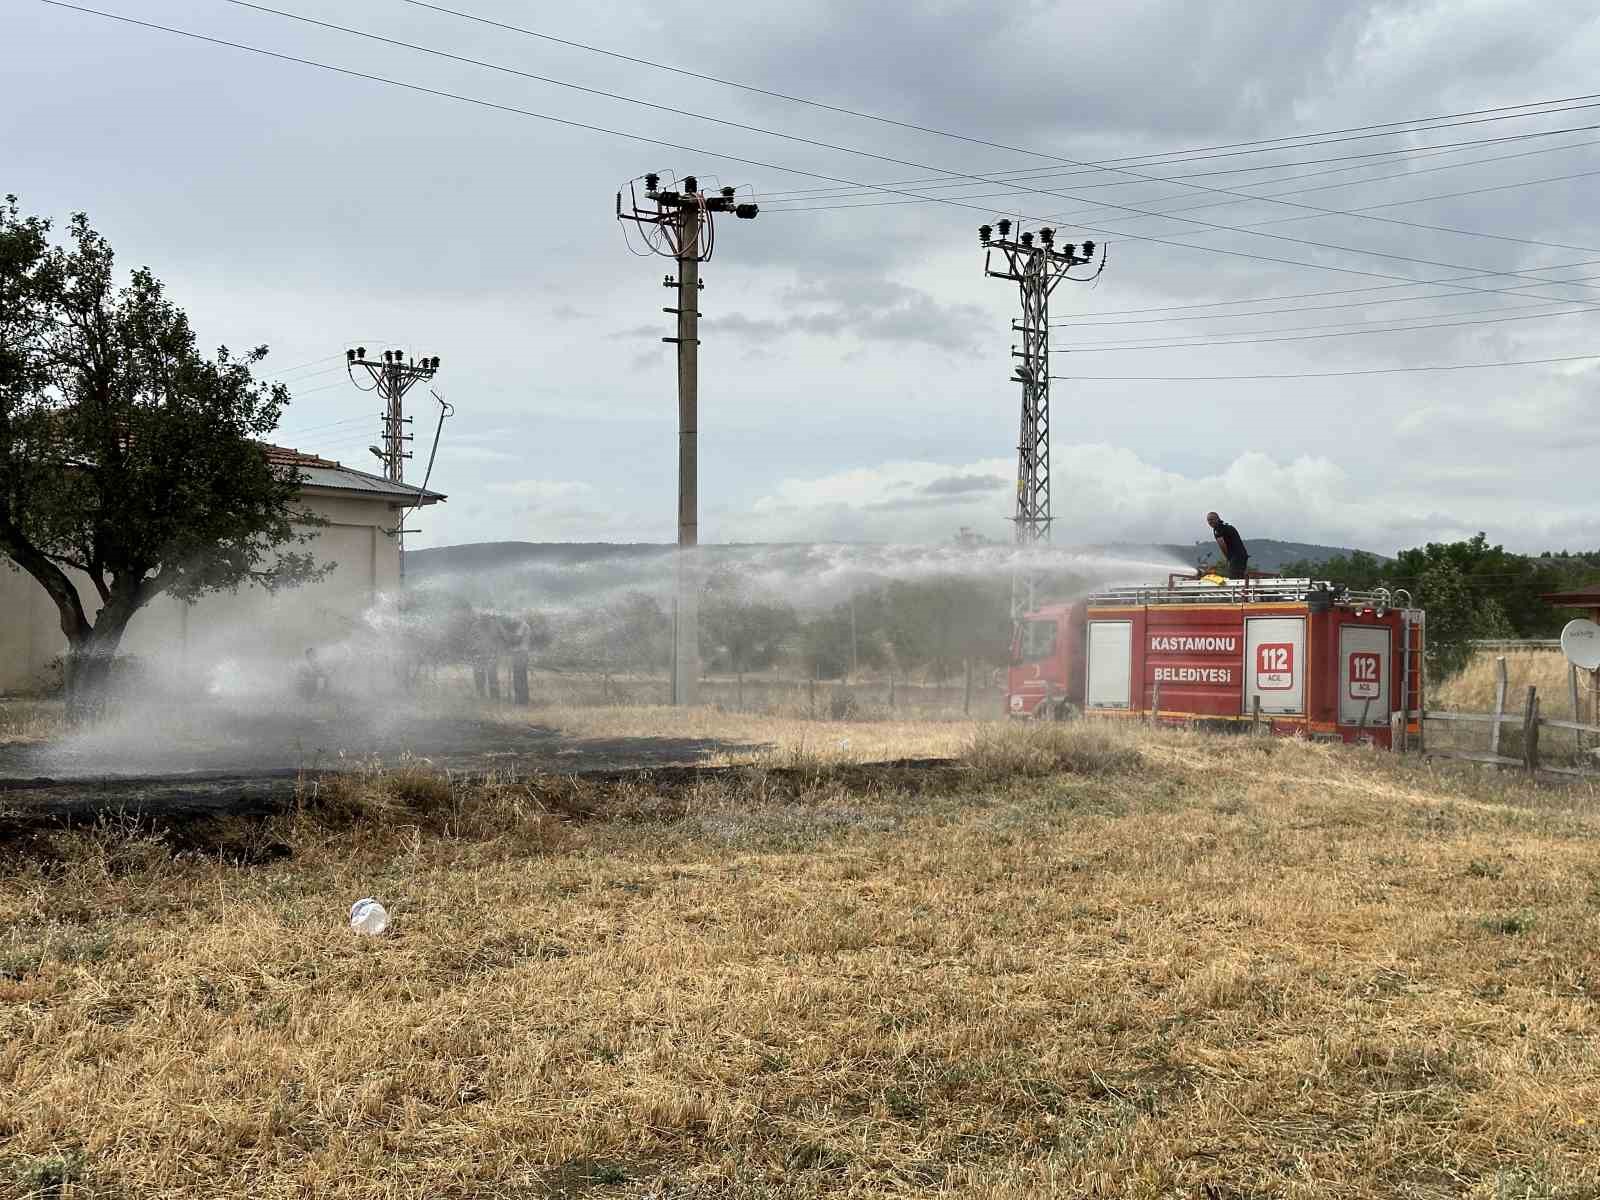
[927, 630]
[1469, 589]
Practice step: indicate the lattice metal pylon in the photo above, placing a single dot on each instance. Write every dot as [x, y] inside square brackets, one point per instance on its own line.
[1036, 267]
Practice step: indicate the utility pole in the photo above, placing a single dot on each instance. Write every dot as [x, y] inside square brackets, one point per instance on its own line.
[392, 379]
[1035, 269]
[678, 224]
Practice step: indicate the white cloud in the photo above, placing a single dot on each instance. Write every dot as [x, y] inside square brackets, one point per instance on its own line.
[538, 489]
[1108, 493]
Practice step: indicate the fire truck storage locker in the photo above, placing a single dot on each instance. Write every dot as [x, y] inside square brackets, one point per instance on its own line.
[1110, 665]
[1275, 664]
[1363, 678]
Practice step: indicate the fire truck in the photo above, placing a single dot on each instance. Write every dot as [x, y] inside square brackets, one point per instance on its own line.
[1296, 656]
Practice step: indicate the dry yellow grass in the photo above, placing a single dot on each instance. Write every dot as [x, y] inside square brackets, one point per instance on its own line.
[29, 721]
[1472, 689]
[1095, 962]
[776, 740]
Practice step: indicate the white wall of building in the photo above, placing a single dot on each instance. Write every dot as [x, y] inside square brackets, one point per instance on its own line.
[248, 623]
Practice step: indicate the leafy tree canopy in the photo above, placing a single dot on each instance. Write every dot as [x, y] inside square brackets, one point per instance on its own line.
[125, 454]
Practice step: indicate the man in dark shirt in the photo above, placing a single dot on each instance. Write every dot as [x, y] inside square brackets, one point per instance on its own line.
[1231, 545]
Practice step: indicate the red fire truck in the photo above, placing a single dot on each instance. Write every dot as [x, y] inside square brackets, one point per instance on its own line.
[1299, 656]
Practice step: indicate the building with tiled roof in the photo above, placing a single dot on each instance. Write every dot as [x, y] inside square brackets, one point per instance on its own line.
[359, 513]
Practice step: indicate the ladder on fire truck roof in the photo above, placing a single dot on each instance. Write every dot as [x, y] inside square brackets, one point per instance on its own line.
[1251, 591]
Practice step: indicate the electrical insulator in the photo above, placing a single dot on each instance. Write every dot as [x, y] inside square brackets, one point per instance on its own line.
[1005, 228]
[984, 233]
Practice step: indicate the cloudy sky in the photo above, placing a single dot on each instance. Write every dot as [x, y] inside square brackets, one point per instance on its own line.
[855, 365]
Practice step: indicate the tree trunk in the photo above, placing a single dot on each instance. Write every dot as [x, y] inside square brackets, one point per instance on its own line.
[519, 678]
[741, 690]
[491, 672]
[87, 671]
[479, 682]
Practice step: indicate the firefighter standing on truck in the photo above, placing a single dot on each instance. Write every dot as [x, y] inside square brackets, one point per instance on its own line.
[1231, 545]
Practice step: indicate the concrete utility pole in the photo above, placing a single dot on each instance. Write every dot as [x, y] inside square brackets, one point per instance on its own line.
[1035, 269]
[392, 379]
[678, 224]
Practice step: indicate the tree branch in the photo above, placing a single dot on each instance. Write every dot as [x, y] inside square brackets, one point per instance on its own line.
[74, 624]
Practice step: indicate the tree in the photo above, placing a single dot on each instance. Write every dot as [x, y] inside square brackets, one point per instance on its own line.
[1358, 570]
[741, 632]
[125, 454]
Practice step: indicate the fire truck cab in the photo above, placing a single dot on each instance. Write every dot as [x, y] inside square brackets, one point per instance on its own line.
[1298, 656]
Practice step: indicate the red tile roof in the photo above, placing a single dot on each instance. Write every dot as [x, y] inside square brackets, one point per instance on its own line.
[284, 456]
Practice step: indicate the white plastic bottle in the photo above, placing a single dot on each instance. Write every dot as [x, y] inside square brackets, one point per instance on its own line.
[369, 917]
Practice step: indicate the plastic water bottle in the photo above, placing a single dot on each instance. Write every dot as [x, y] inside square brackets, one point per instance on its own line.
[369, 917]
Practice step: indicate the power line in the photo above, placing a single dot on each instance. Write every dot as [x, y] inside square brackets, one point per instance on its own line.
[1237, 197]
[1543, 105]
[1391, 204]
[1520, 362]
[1347, 331]
[801, 203]
[308, 363]
[1215, 226]
[1009, 176]
[326, 429]
[1388, 287]
[1305, 308]
[1357, 212]
[476, 101]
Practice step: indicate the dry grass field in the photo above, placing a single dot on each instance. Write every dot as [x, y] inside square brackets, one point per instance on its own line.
[28, 721]
[1472, 690]
[781, 738]
[1079, 962]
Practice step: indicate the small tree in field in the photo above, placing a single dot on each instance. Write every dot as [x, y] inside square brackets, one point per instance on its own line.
[125, 454]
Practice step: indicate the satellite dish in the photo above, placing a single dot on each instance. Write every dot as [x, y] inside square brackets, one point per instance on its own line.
[1580, 642]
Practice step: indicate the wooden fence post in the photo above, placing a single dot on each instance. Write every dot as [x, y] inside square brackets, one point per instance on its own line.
[1155, 701]
[1397, 732]
[1255, 714]
[1499, 703]
[1530, 730]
